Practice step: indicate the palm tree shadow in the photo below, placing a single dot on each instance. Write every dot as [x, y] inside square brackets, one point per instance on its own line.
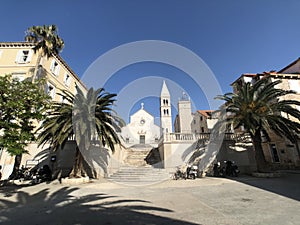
[97, 159]
[66, 207]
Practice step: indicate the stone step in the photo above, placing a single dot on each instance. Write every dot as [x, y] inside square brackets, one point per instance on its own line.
[137, 170]
[136, 157]
[139, 176]
[138, 152]
[121, 174]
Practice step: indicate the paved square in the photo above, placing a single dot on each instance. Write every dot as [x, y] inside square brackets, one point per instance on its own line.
[244, 200]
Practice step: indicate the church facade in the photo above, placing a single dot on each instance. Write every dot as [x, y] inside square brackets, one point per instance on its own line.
[141, 129]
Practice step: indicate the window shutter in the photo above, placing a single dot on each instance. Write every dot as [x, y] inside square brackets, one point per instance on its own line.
[19, 54]
[57, 69]
[52, 66]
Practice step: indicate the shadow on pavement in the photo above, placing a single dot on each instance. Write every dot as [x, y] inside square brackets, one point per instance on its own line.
[64, 207]
[287, 185]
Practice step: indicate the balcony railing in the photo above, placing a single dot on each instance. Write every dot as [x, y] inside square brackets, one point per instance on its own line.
[188, 137]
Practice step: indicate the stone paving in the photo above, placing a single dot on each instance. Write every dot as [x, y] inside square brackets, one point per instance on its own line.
[207, 201]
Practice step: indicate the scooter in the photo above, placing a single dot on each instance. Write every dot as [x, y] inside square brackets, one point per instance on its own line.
[192, 172]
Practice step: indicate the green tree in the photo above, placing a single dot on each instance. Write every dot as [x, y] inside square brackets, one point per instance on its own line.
[22, 104]
[260, 108]
[47, 42]
[84, 116]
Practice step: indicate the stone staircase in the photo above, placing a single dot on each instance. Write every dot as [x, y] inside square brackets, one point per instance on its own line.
[139, 176]
[137, 170]
[136, 157]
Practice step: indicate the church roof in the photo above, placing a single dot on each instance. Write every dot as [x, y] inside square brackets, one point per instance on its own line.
[164, 90]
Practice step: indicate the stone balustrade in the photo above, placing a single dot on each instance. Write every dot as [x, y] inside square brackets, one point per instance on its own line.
[189, 137]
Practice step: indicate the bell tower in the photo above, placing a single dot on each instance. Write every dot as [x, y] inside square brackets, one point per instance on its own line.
[165, 110]
[185, 114]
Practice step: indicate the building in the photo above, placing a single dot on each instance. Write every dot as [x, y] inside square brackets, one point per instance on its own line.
[203, 121]
[19, 59]
[141, 129]
[183, 120]
[280, 152]
[186, 122]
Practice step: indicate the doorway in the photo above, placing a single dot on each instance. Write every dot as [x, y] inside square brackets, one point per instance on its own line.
[142, 139]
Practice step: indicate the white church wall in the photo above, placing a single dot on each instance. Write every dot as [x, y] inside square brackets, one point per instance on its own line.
[141, 129]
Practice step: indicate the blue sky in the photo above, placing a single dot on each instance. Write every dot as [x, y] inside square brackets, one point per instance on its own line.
[232, 37]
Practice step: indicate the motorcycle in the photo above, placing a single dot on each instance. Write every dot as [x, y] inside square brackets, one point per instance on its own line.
[179, 174]
[41, 175]
[218, 171]
[21, 174]
[231, 169]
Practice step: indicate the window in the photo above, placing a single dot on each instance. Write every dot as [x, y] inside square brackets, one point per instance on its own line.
[201, 118]
[127, 140]
[274, 153]
[54, 68]
[166, 112]
[75, 91]
[165, 102]
[202, 129]
[24, 56]
[51, 90]
[67, 80]
[194, 121]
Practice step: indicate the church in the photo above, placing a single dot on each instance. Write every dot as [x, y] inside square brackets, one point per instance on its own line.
[141, 128]
[186, 141]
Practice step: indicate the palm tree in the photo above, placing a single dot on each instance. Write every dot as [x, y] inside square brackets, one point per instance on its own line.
[86, 117]
[260, 108]
[47, 42]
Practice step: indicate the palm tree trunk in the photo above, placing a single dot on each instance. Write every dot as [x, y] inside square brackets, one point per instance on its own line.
[261, 162]
[36, 68]
[78, 168]
[17, 163]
